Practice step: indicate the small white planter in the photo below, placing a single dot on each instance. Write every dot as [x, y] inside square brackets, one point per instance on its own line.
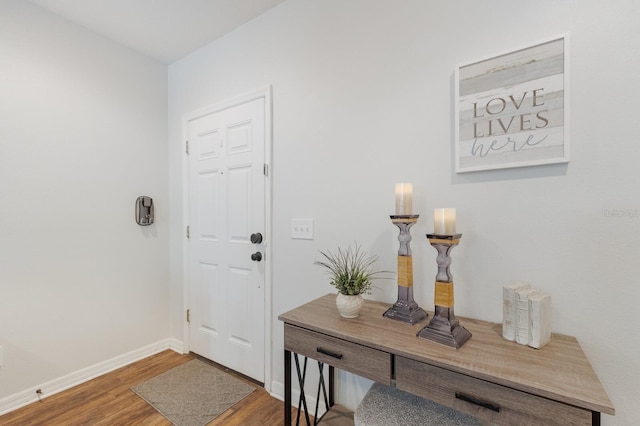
[349, 306]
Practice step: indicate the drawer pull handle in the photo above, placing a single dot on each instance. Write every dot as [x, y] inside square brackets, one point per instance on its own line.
[473, 400]
[331, 354]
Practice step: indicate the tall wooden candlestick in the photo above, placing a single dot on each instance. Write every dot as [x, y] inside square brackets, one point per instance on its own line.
[444, 327]
[405, 309]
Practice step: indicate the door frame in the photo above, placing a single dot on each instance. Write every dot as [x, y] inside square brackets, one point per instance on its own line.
[261, 93]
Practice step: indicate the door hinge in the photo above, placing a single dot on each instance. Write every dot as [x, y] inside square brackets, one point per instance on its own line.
[188, 232]
[188, 315]
[265, 169]
[186, 149]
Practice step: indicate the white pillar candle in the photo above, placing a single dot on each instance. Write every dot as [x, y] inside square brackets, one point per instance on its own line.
[444, 221]
[404, 198]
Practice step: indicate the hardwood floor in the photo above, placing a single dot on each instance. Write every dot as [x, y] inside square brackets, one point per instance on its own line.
[108, 400]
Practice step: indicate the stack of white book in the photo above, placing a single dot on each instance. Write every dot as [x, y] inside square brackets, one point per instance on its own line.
[526, 315]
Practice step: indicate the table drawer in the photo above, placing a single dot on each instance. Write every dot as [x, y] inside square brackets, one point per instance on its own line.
[485, 400]
[358, 359]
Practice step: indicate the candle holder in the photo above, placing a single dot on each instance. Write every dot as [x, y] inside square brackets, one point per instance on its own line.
[444, 327]
[405, 309]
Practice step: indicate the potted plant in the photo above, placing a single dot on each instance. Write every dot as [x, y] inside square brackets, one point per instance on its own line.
[352, 274]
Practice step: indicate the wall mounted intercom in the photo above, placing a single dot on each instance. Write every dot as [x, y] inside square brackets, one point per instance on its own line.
[144, 210]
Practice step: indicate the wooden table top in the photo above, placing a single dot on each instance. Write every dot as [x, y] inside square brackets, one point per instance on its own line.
[559, 370]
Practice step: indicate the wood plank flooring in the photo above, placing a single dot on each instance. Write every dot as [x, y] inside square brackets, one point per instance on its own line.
[108, 400]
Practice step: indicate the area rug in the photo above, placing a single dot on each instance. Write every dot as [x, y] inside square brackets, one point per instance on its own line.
[193, 393]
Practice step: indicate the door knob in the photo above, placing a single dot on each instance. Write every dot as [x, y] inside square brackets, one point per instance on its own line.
[256, 238]
[256, 257]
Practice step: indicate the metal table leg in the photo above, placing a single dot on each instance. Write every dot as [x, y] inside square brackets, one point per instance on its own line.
[301, 372]
[287, 388]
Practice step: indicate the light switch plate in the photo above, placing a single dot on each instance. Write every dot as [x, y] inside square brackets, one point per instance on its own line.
[302, 229]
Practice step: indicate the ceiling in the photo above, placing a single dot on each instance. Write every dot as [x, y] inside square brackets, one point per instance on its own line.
[165, 30]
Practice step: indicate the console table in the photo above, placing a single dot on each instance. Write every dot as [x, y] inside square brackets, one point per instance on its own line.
[489, 377]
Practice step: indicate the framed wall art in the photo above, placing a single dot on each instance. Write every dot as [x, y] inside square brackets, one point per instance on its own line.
[511, 110]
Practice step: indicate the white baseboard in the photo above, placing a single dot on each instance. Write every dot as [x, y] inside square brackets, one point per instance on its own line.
[27, 396]
[277, 391]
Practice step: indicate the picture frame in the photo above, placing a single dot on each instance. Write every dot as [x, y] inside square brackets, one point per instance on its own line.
[512, 110]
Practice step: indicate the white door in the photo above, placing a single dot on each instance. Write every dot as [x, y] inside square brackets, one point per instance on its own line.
[226, 151]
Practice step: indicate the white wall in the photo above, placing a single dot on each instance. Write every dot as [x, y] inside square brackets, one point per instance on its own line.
[82, 134]
[362, 93]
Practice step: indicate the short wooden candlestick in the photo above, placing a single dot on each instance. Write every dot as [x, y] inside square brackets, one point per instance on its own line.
[405, 309]
[444, 327]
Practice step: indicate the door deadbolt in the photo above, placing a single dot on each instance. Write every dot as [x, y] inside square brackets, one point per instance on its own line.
[256, 238]
[256, 257]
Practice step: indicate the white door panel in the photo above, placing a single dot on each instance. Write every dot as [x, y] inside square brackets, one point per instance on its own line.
[227, 205]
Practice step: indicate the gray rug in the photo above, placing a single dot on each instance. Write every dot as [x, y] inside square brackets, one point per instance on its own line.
[193, 393]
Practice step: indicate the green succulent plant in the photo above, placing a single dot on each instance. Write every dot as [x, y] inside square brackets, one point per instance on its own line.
[351, 270]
